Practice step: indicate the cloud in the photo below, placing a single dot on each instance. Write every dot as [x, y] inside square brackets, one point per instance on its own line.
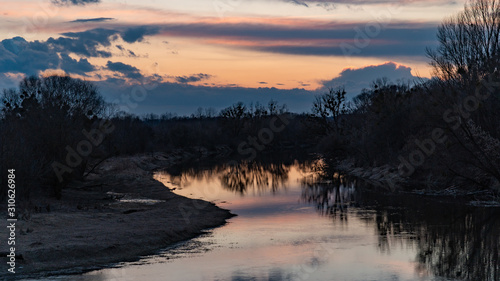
[18, 55]
[184, 99]
[85, 43]
[71, 65]
[284, 36]
[136, 34]
[9, 80]
[127, 70]
[75, 2]
[92, 20]
[318, 38]
[290, 36]
[370, 2]
[327, 6]
[192, 78]
[126, 52]
[299, 3]
[356, 79]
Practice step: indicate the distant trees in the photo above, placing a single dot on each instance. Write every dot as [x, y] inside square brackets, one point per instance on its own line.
[238, 115]
[232, 117]
[387, 124]
[331, 105]
[235, 111]
[131, 135]
[201, 113]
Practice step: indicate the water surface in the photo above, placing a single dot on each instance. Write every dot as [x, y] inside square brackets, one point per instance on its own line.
[290, 227]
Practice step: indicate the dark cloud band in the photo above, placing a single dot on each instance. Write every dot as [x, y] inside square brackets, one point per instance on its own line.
[91, 20]
[30, 57]
[75, 2]
[192, 78]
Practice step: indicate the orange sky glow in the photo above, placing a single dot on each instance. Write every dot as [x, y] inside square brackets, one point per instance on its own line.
[249, 44]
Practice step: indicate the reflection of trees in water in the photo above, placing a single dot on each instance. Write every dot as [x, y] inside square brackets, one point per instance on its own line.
[467, 248]
[331, 192]
[314, 172]
[238, 177]
[451, 240]
[244, 176]
[331, 197]
[183, 175]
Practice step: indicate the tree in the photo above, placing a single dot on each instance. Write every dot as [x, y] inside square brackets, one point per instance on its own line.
[43, 117]
[272, 105]
[469, 43]
[235, 111]
[467, 57]
[330, 105]
[233, 116]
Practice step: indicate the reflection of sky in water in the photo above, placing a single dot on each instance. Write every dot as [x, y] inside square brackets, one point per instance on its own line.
[278, 235]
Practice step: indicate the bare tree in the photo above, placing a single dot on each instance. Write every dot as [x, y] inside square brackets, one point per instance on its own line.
[332, 106]
[467, 56]
[234, 116]
[469, 43]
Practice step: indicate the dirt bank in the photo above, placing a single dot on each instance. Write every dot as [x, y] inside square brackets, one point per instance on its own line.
[388, 178]
[119, 213]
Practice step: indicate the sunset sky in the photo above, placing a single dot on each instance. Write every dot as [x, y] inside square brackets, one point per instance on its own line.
[191, 53]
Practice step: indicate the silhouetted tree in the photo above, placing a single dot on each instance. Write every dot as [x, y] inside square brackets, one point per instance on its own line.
[331, 105]
[233, 117]
[44, 117]
[469, 43]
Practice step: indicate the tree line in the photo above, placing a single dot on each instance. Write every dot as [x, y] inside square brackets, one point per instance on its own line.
[56, 129]
[437, 133]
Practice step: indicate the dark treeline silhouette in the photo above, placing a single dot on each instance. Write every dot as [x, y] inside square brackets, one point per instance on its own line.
[39, 122]
[437, 133]
[432, 133]
[55, 130]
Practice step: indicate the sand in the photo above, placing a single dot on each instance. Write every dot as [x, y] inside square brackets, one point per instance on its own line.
[118, 214]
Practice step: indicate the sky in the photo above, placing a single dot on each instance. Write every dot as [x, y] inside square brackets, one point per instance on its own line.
[152, 56]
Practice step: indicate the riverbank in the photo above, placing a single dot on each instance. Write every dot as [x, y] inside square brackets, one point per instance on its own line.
[118, 214]
[388, 178]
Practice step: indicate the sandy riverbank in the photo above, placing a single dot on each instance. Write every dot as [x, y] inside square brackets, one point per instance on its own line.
[118, 214]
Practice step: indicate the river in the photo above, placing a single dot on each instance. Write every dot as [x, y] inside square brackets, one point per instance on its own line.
[292, 225]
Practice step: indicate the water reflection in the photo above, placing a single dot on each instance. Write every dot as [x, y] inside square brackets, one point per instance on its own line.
[299, 220]
[451, 239]
[331, 199]
[243, 176]
[236, 177]
[467, 247]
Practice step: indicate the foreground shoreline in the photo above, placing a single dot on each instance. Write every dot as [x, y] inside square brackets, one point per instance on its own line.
[119, 214]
